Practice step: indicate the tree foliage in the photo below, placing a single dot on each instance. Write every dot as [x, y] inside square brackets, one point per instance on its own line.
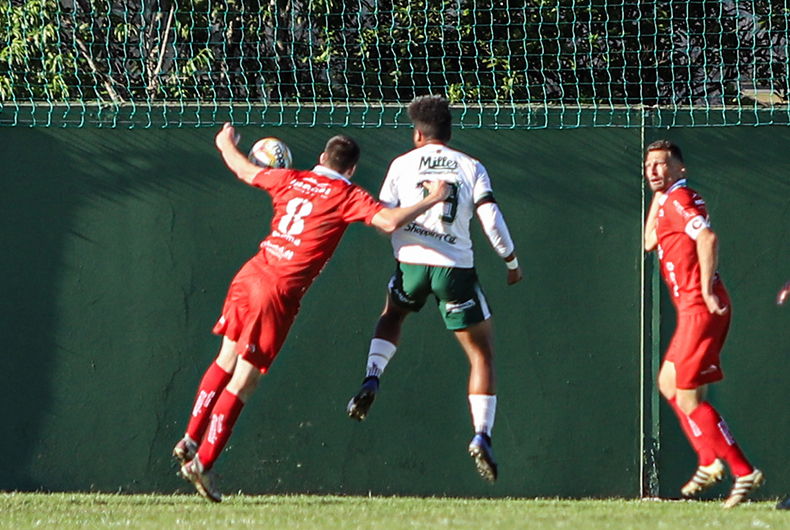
[568, 52]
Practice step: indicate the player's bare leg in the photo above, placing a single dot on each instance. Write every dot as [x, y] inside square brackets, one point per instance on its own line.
[245, 379]
[211, 386]
[390, 323]
[477, 342]
[223, 418]
[385, 341]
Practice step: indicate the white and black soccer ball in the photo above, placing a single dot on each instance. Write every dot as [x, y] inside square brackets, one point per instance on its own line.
[271, 152]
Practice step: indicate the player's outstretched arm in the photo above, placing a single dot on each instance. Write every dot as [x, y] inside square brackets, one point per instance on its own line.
[226, 141]
[390, 219]
[651, 238]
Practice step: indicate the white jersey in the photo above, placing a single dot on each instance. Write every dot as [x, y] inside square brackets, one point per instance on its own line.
[440, 236]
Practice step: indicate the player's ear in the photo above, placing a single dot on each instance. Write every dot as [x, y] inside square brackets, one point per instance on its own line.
[322, 158]
[350, 171]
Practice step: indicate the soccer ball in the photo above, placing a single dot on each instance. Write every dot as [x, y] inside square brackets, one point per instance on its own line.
[271, 152]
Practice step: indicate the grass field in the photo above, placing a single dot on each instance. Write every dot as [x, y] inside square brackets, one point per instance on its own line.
[70, 511]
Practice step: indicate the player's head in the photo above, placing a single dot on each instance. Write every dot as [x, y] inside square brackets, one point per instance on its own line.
[432, 119]
[663, 165]
[341, 154]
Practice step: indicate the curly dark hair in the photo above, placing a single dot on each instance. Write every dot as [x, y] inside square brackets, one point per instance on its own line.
[431, 116]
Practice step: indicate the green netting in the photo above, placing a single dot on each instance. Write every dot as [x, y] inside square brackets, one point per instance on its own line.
[504, 64]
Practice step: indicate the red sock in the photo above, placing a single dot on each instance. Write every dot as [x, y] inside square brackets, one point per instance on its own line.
[718, 436]
[223, 418]
[705, 454]
[211, 386]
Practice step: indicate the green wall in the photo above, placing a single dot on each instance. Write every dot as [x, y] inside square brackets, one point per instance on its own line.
[742, 173]
[118, 246]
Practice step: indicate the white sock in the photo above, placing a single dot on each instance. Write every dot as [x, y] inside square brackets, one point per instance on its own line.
[381, 351]
[483, 409]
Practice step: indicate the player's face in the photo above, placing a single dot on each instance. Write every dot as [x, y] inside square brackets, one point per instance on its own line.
[662, 170]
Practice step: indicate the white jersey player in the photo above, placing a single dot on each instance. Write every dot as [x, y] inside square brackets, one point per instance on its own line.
[441, 235]
[435, 258]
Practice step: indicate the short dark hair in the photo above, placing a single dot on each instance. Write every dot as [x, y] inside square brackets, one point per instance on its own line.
[432, 117]
[342, 153]
[665, 145]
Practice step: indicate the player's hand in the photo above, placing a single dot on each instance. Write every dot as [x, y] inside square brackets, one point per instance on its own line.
[226, 137]
[437, 189]
[714, 304]
[781, 297]
[514, 275]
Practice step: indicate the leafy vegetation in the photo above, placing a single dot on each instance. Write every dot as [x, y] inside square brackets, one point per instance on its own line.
[596, 52]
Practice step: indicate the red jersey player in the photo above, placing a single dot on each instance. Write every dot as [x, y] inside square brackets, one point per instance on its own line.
[678, 227]
[311, 212]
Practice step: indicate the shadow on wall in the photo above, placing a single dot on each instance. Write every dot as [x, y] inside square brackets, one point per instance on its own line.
[110, 286]
[32, 213]
[125, 242]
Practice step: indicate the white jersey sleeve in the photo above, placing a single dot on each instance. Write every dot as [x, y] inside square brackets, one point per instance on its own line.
[388, 195]
[495, 229]
[482, 184]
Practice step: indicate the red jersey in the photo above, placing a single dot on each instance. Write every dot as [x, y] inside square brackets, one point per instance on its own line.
[681, 217]
[312, 210]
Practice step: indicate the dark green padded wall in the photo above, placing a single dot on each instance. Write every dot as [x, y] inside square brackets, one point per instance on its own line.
[742, 173]
[119, 246]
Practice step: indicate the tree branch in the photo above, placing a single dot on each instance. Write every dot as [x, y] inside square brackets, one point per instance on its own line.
[153, 76]
[107, 85]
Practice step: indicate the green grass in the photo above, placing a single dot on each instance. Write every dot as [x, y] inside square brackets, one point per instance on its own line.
[68, 511]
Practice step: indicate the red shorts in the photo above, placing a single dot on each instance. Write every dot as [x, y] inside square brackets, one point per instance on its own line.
[257, 315]
[696, 347]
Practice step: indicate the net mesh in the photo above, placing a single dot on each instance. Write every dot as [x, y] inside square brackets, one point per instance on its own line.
[503, 64]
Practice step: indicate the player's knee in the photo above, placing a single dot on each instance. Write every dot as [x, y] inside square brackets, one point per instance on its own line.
[244, 387]
[666, 388]
[393, 315]
[227, 355]
[687, 402]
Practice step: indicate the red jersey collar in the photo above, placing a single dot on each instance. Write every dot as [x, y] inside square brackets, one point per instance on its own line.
[679, 184]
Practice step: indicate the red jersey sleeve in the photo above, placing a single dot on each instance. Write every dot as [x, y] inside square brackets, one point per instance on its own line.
[360, 206]
[272, 180]
[689, 212]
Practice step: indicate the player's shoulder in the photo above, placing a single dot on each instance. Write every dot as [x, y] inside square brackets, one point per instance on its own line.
[469, 163]
[431, 150]
[466, 165]
[407, 156]
[272, 178]
[467, 156]
[355, 192]
[460, 156]
[316, 185]
[685, 203]
[687, 197]
[433, 158]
